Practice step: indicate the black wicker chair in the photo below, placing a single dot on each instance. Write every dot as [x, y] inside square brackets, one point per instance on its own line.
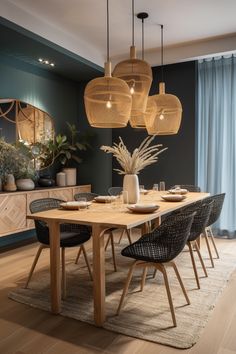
[158, 249]
[203, 210]
[90, 197]
[218, 201]
[116, 191]
[189, 187]
[71, 235]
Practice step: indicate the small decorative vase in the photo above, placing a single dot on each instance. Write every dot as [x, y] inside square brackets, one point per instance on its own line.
[25, 184]
[131, 186]
[46, 181]
[10, 185]
[61, 179]
[70, 176]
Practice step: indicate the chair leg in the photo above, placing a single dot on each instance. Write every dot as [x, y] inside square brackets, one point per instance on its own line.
[122, 234]
[63, 275]
[87, 262]
[41, 247]
[193, 263]
[201, 260]
[213, 242]
[126, 287]
[163, 270]
[113, 251]
[108, 240]
[154, 273]
[128, 232]
[143, 278]
[180, 282]
[209, 249]
[78, 255]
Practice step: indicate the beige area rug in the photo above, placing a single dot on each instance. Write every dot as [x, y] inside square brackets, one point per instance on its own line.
[146, 314]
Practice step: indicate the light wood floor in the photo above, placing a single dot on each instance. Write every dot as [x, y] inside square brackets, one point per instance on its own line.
[25, 330]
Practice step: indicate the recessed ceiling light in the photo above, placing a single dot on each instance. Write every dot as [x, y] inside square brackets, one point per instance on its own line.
[46, 62]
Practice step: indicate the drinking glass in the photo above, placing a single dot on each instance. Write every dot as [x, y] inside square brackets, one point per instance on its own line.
[155, 187]
[141, 187]
[162, 186]
[125, 197]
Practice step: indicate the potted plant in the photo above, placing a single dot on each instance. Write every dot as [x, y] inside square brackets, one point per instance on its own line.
[11, 161]
[25, 179]
[132, 164]
[64, 149]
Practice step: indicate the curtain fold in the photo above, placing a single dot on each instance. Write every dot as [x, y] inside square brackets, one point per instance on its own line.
[217, 135]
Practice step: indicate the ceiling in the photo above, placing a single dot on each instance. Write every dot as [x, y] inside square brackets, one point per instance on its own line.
[192, 29]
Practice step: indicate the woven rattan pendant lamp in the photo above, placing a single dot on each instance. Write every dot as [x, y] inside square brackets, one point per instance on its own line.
[107, 99]
[164, 111]
[138, 75]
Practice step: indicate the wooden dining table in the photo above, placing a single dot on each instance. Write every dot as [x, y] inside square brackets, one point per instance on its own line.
[100, 217]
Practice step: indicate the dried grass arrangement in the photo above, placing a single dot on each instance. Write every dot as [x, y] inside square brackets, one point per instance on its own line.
[141, 157]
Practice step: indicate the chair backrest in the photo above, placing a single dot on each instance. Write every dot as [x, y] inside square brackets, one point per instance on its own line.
[44, 204]
[175, 233]
[42, 231]
[115, 190]
[87, 195]
[203, 211]
[189, 187]
[218, 201]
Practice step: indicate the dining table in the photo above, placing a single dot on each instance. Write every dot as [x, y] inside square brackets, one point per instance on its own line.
[101, 217]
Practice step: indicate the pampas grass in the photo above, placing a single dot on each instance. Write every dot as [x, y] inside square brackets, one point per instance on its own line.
[141, 157]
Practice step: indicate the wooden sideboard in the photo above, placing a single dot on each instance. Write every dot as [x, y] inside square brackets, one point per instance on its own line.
[14, 206]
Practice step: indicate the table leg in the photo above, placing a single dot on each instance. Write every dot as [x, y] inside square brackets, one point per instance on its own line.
[99, 291]
[54, 232]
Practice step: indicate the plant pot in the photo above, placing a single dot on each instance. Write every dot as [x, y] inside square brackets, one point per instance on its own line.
[46, 181]
[70, 176]
[10, 185]
[25, 184]
[131, 186]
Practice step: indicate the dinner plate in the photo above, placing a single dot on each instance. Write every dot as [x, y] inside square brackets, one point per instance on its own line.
[143, 208]
[105, 198]
[178, 191]
[173, 197]
[75, 205]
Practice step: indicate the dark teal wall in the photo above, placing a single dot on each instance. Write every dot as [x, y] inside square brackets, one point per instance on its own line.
[63, 100]
[177, 164]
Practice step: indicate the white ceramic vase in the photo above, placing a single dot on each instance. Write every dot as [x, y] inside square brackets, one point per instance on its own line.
[70, 176]
[131, 186]
[25, 184]
[61, 179]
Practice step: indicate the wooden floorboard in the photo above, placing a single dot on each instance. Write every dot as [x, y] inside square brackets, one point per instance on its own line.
[25, 330]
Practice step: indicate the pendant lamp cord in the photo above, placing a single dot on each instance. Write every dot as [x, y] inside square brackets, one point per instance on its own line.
[142, 39]
[162, 69]
[132, 22]
[108, 33]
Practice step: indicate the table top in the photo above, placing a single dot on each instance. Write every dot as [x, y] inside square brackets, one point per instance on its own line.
[116, 214]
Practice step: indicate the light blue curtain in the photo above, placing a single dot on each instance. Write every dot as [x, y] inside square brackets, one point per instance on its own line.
[217, 135]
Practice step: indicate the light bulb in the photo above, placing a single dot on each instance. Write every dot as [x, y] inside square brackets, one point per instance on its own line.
[108, 104]
[162, 116]
[132, 90]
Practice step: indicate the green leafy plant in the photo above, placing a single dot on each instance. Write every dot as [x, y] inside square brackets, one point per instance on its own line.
[25, 172]
[63, 148]
[12, 160]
